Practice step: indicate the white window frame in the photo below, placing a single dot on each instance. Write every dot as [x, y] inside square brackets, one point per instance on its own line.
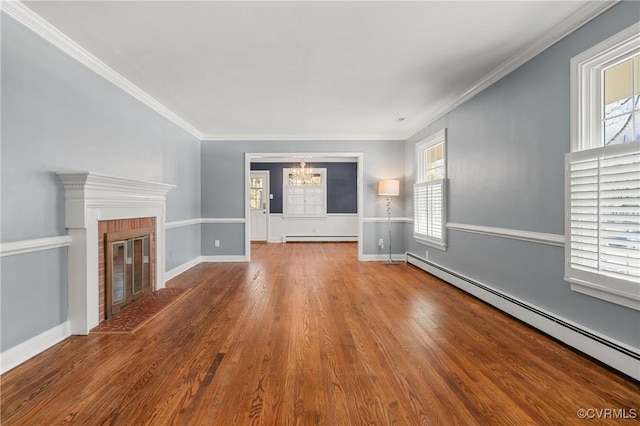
[286, 213]
[586, 86]
[435, 195]
[587, 145]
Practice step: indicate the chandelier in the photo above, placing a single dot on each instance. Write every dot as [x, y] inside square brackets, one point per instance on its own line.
[303, 176]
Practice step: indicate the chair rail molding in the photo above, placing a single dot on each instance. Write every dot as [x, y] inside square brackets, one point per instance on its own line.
[514, 234]
[30, 246]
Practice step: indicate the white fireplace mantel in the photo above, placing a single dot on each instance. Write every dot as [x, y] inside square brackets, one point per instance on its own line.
[90, 197]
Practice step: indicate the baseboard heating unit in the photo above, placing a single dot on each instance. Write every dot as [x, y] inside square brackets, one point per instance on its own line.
[617, 355]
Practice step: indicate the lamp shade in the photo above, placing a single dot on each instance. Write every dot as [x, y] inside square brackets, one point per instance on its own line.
[389, 187]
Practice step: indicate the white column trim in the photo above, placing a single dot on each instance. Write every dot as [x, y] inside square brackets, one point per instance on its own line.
[515, 234]
[29, 246]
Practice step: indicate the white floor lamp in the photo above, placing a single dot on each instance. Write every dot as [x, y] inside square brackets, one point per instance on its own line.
[390, 188]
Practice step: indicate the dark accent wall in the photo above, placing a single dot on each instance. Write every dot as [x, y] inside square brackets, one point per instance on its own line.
[342, 184]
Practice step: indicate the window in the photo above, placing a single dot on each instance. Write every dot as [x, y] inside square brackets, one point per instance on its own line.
[304, 192]
[621, 115]
[602, 231]
[255, 194]
[429, 191]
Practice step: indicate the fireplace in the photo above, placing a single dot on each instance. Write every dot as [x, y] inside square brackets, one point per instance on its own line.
[93, 198]
[126, 256]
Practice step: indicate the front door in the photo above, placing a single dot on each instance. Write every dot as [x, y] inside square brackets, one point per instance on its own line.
[259, 204]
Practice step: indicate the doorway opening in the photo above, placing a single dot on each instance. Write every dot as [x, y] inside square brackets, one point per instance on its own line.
[282, 227]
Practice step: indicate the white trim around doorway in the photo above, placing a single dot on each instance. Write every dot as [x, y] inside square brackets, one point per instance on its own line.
[250, 157]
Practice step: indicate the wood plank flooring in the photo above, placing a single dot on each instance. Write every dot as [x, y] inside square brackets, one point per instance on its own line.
[307, 335]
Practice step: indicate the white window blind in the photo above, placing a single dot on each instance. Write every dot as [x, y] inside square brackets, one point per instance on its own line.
[429, 210]
[603, 223]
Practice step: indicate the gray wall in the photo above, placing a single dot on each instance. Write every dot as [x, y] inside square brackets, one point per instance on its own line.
[182, 245]
[506, 151]
[59, 115]
[223, 181]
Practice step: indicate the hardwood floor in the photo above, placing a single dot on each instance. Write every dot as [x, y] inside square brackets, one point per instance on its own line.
[305, 334]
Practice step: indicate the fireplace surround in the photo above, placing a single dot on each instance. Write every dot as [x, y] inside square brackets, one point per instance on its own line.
[92, 197]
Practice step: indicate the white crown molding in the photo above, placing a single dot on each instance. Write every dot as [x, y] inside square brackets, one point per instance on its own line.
[21, 13]
[514, 234]
[302, 137]
[29, 246]
[95, 187]
[586, 13]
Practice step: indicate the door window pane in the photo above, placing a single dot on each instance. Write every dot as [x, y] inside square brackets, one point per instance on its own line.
[255, 194]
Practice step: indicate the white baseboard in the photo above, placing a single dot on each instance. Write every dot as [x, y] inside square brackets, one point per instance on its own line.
[18, 354]
[618, 355]
[224, 258]
[15, 356]
[383, 257]
[181, 268]
[318, 238]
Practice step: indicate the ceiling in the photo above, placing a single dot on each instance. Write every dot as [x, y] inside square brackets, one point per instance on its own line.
[308, 70]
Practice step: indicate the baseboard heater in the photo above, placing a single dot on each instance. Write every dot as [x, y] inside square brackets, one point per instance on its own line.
[318, 238]
[617, 355]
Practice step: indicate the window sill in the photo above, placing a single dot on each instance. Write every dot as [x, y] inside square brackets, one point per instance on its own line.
[434, 244]
[604, 293]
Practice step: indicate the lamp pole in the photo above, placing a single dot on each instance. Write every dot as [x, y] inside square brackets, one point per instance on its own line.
[389, 188]
[389, 226]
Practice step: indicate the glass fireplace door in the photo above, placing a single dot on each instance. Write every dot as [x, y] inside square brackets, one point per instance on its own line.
[128, 267]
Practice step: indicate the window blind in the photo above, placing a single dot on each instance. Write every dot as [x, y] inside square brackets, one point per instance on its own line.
[304, 198]
[428, 223]
[604, 215]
